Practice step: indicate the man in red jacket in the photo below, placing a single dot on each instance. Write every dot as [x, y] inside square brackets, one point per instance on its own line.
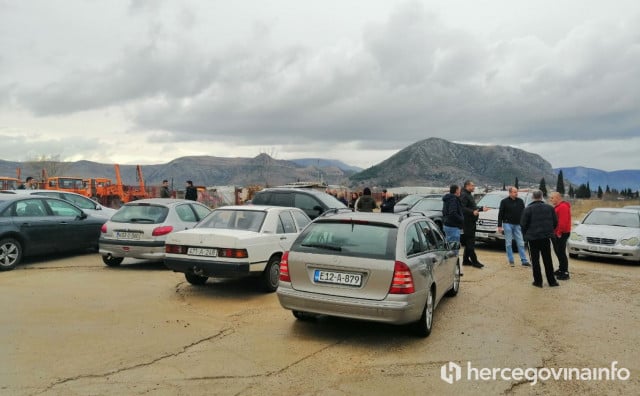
[562, 232]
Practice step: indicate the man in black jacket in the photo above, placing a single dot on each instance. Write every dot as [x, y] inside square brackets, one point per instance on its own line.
[452, 215]
[191, 192]
[538, 223]
[509, 216]
[470, 211]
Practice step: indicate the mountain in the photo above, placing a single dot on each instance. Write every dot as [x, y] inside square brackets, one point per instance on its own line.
[438, 162]
[619, 180]
[324, 163]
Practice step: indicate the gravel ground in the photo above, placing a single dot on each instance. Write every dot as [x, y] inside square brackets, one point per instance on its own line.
[72, 326]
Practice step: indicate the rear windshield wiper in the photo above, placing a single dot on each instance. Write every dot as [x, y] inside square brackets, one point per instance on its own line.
[141, 220]
[323, 246]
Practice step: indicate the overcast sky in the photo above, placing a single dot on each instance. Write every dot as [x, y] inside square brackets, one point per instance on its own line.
[144, 82]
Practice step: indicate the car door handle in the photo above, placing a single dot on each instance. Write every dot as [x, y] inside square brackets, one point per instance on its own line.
[283, 238]
[64, 222]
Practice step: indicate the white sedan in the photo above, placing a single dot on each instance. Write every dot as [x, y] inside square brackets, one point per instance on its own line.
[234, 242]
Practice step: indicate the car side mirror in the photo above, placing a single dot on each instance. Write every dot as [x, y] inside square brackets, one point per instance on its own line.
[318, 209]
[82, 216]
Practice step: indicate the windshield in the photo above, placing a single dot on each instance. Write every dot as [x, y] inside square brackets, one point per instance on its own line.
[409, 200]
[348, 239]
[492, 200]
[250, 220]
[613, 218]
[141, 213]
[428, 205]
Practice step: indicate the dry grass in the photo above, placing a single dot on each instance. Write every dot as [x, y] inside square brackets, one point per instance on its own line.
[580, 207]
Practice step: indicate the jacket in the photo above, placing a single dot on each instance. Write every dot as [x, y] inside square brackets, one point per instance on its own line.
[563, 211]
[510, 211]
[452, 211]
[388, 204]
[468, 206]
[366, 203]
[191, 193]
[539, 221]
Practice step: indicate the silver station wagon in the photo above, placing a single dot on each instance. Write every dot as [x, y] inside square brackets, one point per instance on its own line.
[383, 267]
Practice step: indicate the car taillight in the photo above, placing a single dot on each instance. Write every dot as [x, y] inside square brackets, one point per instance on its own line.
[164, 230]
[103, 229]
[284, 268]
[233, 253]
[402, 282]
[175, 249]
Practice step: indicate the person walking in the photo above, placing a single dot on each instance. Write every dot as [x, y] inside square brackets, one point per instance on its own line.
[538, 223]
[509, 216]
[191, 193]
[562, 233]
[470, 212]
[165, 192]
[452, 216]
[366, 203]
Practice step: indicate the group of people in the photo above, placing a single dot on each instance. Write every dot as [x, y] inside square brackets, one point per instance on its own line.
[365, 202]
[539, 224]
[191, 192]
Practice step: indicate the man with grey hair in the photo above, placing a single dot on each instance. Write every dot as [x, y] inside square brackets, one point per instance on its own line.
[538, 223]
[509, 216]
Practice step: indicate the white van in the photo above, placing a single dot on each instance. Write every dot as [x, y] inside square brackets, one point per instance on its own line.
[487, 224]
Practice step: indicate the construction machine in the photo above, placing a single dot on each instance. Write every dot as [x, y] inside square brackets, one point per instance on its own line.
[62, 183]
[115, 194]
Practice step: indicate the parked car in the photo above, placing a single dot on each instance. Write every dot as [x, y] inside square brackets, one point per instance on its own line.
[236, 241]
[139, 228]
[607, 232]
[31, 225]
[382, 267]
[312, 202]
[487, 223]
[88, 205]
[406, 203]
[432, 208]
[636, 207]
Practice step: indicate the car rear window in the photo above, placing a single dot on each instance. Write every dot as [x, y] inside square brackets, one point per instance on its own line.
[142, 213]
[352, 239]
[250, 220]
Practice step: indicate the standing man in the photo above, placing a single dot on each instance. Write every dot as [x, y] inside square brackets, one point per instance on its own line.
[164, 190]
[452, 214]
[509, 216]
[388, 202]
[562, 232]
[538, 223]
[470, 211]
[191, 193]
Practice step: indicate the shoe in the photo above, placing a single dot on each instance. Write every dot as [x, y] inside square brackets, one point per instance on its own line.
[477, 265]
[553, 284]
[526, 264]
[557, 272]
[563, 276]
[537, 284]
[467, 263]
[512, 263]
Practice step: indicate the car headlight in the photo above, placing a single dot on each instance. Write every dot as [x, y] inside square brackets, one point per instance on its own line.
[635, 241]
[576, 237]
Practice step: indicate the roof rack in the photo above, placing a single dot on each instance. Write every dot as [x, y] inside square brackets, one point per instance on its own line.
[405, 215]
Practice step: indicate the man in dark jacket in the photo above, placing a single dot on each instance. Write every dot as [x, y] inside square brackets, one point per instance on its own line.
[538, 223]
[165, 192]
[509, 216]
[470, 211]
[366, 203]
[452, 215]
[388, 202]
[191, 193]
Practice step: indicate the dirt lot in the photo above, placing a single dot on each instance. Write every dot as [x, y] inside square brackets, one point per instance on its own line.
[72, 326]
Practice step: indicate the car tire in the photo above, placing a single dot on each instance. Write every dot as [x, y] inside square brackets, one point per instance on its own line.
[112, 261]
[10, 254]
[300, 315]
[423, 326]
[271, 275]
[456, 281]
[196, 279]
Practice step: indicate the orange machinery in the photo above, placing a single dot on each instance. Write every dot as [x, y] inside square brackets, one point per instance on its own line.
[114, 195]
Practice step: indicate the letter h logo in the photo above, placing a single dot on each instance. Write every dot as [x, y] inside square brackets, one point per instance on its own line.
[450, 372]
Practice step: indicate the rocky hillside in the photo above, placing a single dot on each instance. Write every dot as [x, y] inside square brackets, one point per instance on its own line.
[432, 162]
[438, 162]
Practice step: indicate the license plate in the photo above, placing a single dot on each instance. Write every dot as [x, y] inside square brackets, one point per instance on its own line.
[600, 249]
[128, 235]
[338, 278]
[208, 252]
